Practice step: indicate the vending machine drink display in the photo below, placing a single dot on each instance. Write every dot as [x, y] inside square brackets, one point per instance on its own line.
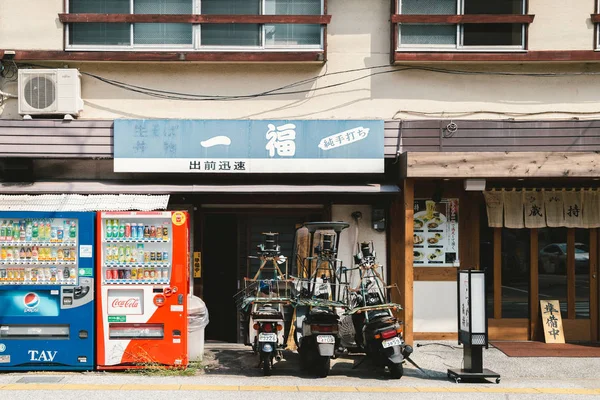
[47, 291]
[143, 265]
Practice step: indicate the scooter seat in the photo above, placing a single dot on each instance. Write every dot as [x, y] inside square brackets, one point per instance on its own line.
[321, 314]
[267, 311]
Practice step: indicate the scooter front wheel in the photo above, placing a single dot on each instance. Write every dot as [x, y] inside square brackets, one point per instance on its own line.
[396, 370]
[322, 366]
[266, 361]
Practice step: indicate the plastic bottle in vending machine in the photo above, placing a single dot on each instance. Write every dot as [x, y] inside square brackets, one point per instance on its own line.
[3, 253]
[133, 230]
[53, 254]
[28, 253]
[53, 234]
[3, 231]
[9, 231]
[60, 233]
[165, 231]
[35, 231]
[122, 229]
[134, 273]
[128, 230]
[16, 231]
[35, 253]
[73, 230]
[73, 273]
[108, 229]
[28, 231]
[22, 253]
[22, 231]
[10, 253]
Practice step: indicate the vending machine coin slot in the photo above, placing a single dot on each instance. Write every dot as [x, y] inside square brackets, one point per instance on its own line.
[81, 291]
[83, 334]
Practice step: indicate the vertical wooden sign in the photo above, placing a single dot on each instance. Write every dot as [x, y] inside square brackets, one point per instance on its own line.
[552, 321]
[197, 265]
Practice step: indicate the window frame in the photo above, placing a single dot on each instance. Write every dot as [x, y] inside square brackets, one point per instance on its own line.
[196, 45]
[459, 45]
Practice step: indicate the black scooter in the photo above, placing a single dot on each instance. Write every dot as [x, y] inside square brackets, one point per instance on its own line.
[379, 334]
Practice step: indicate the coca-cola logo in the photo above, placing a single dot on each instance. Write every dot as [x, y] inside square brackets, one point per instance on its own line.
[131, 302]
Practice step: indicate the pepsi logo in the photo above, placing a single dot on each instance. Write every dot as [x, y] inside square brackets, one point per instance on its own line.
[31, 300]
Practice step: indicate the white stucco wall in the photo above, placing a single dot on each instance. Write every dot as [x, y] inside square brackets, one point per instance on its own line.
[561, 26]
[435, 313]
[363, 232]
[31, 25]
[358, 37]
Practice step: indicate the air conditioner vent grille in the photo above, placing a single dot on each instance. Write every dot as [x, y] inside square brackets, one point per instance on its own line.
[40, 91]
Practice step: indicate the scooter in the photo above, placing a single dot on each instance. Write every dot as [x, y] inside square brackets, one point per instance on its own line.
[318, 297]
[378, 332]
[319, 339]
[267, 334]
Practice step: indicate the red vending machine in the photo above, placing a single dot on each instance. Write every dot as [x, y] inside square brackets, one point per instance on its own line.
[143, 275]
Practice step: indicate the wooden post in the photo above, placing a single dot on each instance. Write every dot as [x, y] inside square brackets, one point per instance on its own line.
[534, 285]
[401, 255]
[571, 273]
[497, 273]
[408, 272]
[594, 284]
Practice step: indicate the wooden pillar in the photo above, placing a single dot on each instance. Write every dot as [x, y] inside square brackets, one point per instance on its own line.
[571, 273]
[534, 286]
[497, 273]
[594, 294]
[401, 254]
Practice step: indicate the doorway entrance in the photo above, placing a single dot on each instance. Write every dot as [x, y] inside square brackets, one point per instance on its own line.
[229, 236]
[530, 265]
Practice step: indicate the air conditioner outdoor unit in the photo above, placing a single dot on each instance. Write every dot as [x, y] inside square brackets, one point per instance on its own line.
[50, 92]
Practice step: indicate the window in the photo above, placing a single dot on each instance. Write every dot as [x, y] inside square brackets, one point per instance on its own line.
[195, 36]
[461, 25]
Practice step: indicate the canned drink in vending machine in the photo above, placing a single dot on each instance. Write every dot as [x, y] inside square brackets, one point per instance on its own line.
[109, 274]
[152, 231]
[127, 274]
[146, 274]
[152, 256]
[140, 273]
[152, 274]
[120, 274]
[165, 273]
[158, 256]
[146, 231]
[165, 256]
[134, 273]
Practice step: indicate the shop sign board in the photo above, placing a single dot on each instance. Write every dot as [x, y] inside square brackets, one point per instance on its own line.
[248, 146]
[552, 321]
[435, 233]
[471, 307]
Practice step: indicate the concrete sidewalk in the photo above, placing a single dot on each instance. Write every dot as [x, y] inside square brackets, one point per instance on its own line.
[233, 368]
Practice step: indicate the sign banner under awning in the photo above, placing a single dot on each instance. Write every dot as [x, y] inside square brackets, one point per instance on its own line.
[535, 208]
[248, 146]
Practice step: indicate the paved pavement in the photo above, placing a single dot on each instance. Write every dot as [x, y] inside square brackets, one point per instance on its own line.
[230, 372]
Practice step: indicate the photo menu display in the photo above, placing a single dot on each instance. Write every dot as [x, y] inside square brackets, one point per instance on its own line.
[435, 233]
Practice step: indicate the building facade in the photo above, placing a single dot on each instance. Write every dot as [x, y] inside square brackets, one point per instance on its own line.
[468, 90]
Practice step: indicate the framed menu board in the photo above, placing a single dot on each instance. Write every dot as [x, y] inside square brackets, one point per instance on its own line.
[435, 233]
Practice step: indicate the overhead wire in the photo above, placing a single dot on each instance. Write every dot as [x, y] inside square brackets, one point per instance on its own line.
[283, 90]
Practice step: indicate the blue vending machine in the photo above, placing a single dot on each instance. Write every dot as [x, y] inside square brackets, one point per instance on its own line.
[47, 291]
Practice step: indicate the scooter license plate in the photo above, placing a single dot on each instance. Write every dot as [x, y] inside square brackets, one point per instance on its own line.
[267, 337]
[329, 339]
[391, 342]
